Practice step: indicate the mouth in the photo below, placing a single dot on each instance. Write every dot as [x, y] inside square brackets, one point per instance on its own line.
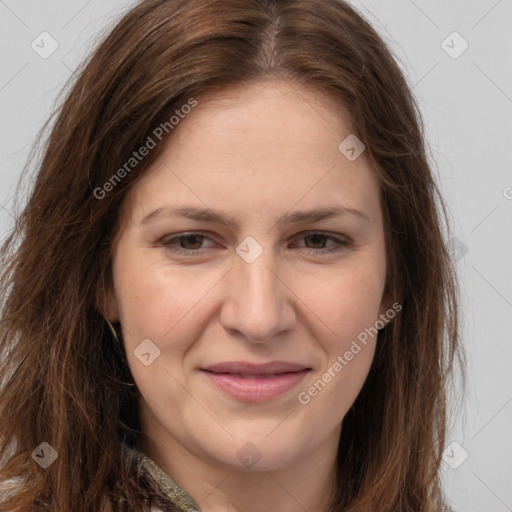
[255, 382]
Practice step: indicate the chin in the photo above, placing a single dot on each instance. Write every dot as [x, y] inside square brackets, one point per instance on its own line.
[257, 453]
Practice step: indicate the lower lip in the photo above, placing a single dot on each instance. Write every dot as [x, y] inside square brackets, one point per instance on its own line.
[255, 389]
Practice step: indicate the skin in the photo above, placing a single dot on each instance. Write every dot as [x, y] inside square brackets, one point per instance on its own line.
[254, 153]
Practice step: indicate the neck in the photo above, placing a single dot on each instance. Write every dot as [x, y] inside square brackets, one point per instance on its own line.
[308, 484]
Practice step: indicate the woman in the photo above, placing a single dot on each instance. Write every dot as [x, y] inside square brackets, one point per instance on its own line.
[252, 369]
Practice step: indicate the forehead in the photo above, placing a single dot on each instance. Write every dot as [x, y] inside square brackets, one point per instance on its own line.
[265, 146]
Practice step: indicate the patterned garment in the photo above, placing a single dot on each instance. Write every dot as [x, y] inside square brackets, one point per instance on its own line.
[176, 497]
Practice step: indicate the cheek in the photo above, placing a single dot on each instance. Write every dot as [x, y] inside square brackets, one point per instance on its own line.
[154, 299]
[344, 301]
[346, 308]
[157, 303]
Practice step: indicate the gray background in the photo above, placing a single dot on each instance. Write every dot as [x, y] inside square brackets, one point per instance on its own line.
[467, 106]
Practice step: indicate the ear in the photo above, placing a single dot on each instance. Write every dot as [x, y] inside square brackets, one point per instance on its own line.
[387, 309]
[106, 303]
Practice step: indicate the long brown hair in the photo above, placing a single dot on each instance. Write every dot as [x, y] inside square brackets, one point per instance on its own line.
[66, 382]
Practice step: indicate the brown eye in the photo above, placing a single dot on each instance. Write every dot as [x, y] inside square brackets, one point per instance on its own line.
[317, 240]
[191, 241]
[187, 243]
[317, 243]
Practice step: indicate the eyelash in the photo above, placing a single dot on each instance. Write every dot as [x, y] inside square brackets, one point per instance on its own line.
[341, 244]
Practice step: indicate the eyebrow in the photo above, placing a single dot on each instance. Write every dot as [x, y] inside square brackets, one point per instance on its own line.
[208, 215]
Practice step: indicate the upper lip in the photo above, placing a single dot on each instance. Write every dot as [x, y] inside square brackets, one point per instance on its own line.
[256, 369]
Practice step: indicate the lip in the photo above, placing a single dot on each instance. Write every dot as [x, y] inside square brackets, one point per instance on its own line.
[250, 382]
[256, 369]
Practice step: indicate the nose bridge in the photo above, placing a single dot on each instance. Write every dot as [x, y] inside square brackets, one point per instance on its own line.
[257, 303]
[258, 279]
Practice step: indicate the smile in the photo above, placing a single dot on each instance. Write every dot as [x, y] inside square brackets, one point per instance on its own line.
[255, 383]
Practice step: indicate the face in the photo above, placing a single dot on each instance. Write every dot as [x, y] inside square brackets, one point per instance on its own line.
[265, 279]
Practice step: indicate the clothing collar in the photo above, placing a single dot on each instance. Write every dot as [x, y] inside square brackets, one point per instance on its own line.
[168, 487]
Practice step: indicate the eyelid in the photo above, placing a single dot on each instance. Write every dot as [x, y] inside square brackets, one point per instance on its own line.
[341, 242]
[167, 239]
[328, 234]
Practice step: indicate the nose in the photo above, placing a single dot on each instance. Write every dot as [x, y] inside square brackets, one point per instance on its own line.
[258, 304]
